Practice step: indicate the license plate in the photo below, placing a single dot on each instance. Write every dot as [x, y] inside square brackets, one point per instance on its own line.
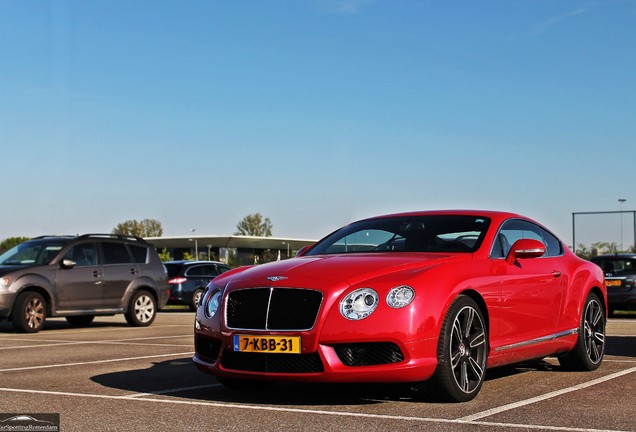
[613, 283]
[267, 344]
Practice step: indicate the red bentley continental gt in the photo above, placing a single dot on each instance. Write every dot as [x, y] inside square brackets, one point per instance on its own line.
[437, 296]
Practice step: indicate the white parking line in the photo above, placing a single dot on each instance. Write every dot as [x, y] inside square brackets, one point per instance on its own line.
[189, 353]
[309, 411]
[107, 341]
[550, 395]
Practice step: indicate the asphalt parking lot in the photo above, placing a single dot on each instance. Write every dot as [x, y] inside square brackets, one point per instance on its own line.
[112, 377]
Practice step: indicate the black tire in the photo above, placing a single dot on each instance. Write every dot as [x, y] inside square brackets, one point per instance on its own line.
[80, 320]
[142, 309]
[196, 298]
[589, 350]
[462, 353]
[29, 312]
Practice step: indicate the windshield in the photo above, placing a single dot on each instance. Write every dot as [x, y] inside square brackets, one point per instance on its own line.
[32, 253]
[407, 234]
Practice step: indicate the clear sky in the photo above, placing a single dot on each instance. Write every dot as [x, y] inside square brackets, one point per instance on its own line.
[314, 113]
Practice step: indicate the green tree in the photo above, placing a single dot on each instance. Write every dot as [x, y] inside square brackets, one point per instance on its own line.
[8, 243]
[144, 228]
[254, 225]
[164, 255]
[187, 256]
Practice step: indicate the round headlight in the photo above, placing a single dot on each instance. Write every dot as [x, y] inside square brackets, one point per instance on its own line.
[400, 296]
[359, 304]
[212, 304]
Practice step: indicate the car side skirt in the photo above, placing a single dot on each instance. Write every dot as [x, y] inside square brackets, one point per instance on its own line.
[542, 339]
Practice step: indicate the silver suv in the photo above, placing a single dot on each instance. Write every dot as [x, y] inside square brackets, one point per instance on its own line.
[79, 277]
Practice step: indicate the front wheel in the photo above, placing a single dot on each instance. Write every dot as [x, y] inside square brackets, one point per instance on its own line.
[142, 309]
[29, 312]
[462, 352]
[590, 345]
[196, 299]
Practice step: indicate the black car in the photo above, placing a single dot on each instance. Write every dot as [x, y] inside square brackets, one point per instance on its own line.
[620, 280]
[188, 279]
[80, 277]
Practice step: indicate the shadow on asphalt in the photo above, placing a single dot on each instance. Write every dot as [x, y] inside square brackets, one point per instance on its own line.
[622, 346]
[182, 374]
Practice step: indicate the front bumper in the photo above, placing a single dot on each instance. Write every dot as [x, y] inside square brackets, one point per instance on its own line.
[380, 362]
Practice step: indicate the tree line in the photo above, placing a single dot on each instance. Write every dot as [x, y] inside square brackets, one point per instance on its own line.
[251, 225]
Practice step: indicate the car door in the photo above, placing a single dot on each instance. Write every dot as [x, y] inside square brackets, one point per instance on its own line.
[119, 271]
[79, 287]
[532, 289]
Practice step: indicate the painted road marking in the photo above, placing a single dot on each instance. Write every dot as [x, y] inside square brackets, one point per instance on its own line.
[309, 411]
[546, 396]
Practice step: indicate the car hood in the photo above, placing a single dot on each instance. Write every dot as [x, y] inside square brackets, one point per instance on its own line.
[350, 269]
[6, 269]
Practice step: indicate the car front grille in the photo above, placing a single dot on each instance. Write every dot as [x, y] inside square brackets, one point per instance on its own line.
[272, 309]
[368, 354]
[272, 363]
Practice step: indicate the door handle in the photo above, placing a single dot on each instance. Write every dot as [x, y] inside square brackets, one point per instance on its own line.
[556, 273]
[97, 273]
[133, 271]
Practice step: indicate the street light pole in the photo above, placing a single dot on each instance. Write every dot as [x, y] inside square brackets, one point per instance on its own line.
[621, 201]
[196, 245]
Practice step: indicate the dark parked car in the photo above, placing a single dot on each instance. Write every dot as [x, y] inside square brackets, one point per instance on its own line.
[188, 280]
[620, 280]
[79, 277]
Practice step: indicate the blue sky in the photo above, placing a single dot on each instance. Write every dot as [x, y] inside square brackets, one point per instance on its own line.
[313, 113]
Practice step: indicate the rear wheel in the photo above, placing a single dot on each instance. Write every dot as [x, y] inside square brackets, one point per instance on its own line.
[29, 312]
[590, 345]
[142, 309]
[462, 353]
[80, 320]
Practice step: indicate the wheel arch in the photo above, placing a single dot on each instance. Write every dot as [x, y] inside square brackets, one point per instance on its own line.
[46, 295]
[480, 302]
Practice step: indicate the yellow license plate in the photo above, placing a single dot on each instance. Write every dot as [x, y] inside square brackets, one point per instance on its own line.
[613, 283]
[267, 344]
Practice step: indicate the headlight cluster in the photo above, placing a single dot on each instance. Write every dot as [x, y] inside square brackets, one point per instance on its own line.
[361, 303]
[212, 303]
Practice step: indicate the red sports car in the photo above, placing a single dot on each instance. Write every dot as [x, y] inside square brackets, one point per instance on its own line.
[437, 296]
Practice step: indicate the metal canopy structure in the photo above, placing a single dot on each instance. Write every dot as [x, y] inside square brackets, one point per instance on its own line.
[229, 242]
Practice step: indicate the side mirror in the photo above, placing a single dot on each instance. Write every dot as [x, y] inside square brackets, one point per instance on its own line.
[302, 250]
[67, 264]
[525, 248]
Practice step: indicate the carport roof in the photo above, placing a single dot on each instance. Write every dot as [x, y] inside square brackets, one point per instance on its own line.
[241, 242]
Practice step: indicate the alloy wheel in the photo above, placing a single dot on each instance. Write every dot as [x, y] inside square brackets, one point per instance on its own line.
[468, 349]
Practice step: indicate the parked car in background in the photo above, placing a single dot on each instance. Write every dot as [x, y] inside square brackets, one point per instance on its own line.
[620, 280]
[80, 277]
[188, 279]
[434, 297]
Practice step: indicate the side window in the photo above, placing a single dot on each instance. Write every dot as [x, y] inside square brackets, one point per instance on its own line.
[553, 245]
[82, 254]
[516, 229]
[201, 271]
[222, 268]
[115, 253]
[139, 253]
